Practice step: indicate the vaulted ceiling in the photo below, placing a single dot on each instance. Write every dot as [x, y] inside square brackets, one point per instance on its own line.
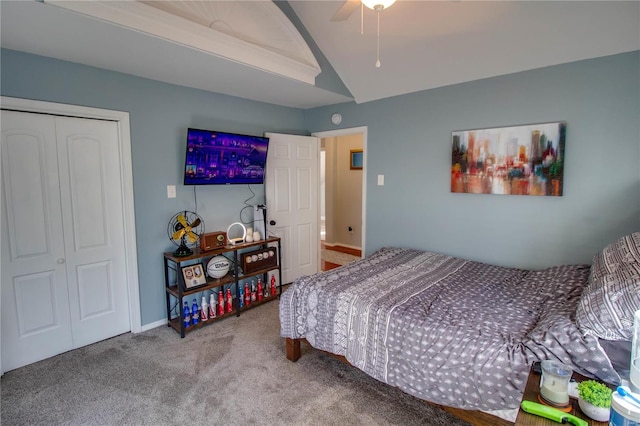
[297, 54]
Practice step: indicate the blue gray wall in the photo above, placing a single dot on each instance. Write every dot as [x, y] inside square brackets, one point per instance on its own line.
[160, 114]
[409, 141]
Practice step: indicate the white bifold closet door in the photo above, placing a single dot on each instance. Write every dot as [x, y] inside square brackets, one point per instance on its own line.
[63, 266]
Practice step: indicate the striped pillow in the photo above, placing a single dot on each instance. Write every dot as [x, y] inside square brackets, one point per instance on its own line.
[608, 303]
[612, 294]
[624, 251]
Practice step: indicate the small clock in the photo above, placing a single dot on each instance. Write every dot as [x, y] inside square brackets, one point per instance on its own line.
[336, 118]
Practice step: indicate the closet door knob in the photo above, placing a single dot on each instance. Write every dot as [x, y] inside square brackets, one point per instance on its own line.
[60, 261]
[272, 222]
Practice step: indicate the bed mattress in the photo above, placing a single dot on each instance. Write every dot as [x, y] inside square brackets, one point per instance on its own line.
[447, 330]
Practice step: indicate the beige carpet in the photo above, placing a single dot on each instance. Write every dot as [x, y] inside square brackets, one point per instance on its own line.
[233, 372]
[337, 257]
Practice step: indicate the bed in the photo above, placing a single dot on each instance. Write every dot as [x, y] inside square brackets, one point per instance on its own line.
[460, 333]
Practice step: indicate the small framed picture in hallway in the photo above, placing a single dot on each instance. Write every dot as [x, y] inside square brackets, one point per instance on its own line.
[356, 159]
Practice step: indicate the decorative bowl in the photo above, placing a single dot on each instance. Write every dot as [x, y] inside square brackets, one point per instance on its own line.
[599, 414]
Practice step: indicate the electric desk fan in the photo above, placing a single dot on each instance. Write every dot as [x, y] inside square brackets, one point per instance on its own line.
[184, 230]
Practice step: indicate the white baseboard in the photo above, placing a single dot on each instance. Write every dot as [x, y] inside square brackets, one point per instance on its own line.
[153, 325]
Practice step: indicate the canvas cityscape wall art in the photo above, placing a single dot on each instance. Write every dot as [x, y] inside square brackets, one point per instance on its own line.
[518, 160]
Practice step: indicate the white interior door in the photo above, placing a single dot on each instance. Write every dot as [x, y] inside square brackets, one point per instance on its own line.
[35, 301]
[64, 282]
[292, 201]
[94, 228]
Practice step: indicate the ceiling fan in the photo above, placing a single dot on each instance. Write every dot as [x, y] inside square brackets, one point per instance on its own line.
[349, 6]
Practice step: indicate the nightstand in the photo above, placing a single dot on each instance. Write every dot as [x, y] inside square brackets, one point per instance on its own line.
[531, 392]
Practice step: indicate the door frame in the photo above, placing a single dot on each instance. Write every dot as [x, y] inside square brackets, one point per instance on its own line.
[344, 132]
[126, 189]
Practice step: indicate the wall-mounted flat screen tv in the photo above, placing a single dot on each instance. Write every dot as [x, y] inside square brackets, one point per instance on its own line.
[218, 158]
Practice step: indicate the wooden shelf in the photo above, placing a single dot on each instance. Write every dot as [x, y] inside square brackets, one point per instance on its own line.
[199, 254]
[258, 272]
[175, 323]
[211, 283]
[258, 303]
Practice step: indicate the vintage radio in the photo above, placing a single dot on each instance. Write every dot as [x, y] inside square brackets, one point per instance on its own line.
[213, 240]
[259, 259]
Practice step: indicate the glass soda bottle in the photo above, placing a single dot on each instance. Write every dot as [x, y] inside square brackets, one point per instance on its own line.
[186, 315]
[195, 312]
[273, 285]
[212, 305]
[247, 294]
[204, 309]
[220, 303]
[229, 301]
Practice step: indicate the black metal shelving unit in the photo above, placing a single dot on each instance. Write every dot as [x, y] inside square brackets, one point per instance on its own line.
[176, 289]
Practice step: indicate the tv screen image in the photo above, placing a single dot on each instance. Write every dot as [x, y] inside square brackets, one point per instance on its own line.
[218, 158]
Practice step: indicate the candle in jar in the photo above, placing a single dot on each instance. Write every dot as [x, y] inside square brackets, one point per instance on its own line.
[555, 391]
[554, 387]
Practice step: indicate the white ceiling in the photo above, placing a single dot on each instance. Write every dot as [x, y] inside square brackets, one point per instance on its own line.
[423, 45]
[428, 44]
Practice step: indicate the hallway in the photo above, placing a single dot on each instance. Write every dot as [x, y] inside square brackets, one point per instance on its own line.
[334, 256]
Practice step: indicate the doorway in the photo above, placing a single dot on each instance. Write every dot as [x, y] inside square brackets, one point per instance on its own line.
[342, 192]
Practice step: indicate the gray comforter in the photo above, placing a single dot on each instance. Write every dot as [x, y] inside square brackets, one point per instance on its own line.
[451, 331]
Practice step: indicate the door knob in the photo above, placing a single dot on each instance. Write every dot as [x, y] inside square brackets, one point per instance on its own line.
[60, 261]
[272, 222]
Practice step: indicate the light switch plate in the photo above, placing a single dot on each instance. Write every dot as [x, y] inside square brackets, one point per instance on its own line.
[171, 191]
[380, 180]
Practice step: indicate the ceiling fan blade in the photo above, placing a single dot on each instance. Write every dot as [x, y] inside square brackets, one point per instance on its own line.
[347, 8]
[178, 234]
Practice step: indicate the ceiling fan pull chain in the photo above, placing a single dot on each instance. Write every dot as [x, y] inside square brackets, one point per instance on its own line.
[378, 47]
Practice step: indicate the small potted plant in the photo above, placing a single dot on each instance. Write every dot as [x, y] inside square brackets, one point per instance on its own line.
[594, 399]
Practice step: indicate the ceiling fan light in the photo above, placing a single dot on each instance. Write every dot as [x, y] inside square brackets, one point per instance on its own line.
[378, 4]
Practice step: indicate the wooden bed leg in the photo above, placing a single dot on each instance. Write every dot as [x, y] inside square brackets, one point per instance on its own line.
[293, 349]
